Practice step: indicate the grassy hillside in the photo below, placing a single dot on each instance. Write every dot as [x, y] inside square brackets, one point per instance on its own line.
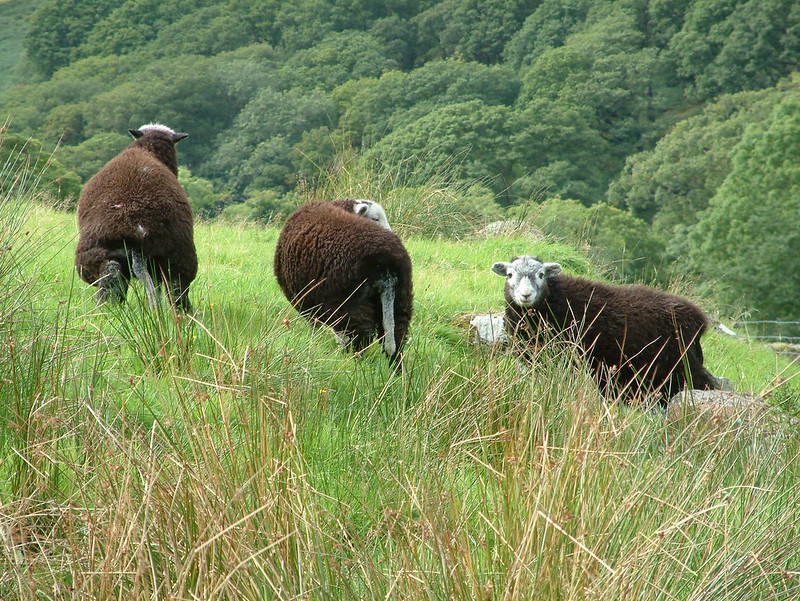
[14, 15]
[238, 454]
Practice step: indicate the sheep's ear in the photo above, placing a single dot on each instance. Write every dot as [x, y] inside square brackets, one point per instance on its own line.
[551, 269]
[178, 137]
[501, 268]
[136, 133]
[360, 208]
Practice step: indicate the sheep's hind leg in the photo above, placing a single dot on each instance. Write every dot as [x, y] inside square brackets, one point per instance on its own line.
[139, 266]
[180, 296]
[112, 285]
[386, 287]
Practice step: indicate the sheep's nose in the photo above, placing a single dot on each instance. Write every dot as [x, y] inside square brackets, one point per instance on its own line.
[525, 295]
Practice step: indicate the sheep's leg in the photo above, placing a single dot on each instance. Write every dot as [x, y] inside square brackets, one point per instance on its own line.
[180, 295]
[112, 285]
[386, 288]
[139, 265]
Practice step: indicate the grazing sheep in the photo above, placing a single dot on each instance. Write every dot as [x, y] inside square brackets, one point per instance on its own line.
[133, 216]
[338, 263]
[365, 208]
[637, 339]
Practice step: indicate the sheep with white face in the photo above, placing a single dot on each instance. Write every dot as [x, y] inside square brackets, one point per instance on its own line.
[526, 279]
[638, 340]
[368, 209]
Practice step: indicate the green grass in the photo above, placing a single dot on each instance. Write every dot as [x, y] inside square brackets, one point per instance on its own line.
[239, 454]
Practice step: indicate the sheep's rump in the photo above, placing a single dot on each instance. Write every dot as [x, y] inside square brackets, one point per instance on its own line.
[331, 263]
[135, 201]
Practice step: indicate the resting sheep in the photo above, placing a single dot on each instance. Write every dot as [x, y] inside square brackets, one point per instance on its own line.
[133, 216]
[637, 339]
[338, 263]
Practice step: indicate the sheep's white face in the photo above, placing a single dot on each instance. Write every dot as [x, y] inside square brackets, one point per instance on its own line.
[372, 211]
[526, 278]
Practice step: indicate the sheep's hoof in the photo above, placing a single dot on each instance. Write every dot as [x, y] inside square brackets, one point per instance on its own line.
[112, 285]
[342, 339]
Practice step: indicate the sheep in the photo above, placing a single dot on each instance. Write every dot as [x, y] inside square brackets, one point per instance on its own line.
[134, 217]
[637, 339]
[339, 264]
[365, 208]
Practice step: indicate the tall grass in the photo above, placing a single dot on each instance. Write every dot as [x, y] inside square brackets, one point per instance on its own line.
[236, 453]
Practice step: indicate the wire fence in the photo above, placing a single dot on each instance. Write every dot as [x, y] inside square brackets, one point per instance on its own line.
[770, 330]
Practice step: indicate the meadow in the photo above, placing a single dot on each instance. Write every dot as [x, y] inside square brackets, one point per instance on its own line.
[238, 453]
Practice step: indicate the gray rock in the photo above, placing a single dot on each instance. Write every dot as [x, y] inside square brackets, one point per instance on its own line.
[724, 411]
[488, 329]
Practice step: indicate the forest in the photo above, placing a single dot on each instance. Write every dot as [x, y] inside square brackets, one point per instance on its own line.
[665, 134]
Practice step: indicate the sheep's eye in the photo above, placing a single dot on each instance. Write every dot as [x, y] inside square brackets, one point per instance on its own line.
[509, 275]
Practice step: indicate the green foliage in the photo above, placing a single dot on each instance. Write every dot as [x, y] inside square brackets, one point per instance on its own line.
[337, 58]
[609, 70]
[206, 31]
[205, 203]
[58, 28]
[88, 157]
[71, 92]
[184, 93]
[132, 24]
[546, 27]
[613, 238]
[23, 158]
[671, 183]
[15, 17]
[371, 109]
[559, 150]
[477, 30]
[732, 45]
[748, 237]
[265, 206]
[256, 152]
[464, 141]
[633, 102]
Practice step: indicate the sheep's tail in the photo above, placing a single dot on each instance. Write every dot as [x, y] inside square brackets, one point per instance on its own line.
[140, 270]
[387, 287]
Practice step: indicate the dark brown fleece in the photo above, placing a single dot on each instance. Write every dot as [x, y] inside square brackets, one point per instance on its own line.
[136, 202]
[637, 339]
[327, 263]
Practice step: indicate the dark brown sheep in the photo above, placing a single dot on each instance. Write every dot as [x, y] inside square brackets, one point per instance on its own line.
[134, 217]
[348, 272]
[637, 339]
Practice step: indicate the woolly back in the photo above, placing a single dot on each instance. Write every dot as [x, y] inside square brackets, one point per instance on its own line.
[325, 243]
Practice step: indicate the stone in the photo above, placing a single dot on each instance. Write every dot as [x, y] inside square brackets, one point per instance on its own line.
[488, 329]
[723, 411]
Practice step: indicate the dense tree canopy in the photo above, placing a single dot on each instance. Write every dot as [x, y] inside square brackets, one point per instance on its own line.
[634, 103]
[750, 232]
